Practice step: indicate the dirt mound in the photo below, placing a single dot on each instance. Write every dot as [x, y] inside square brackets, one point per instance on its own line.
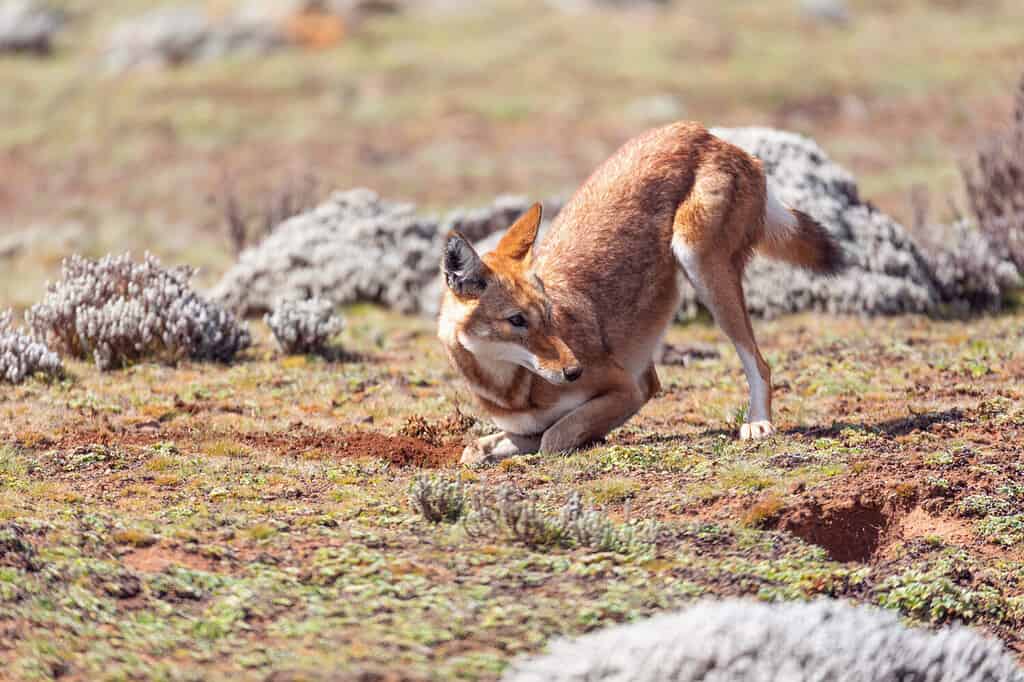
[403, 450]
[157, 558]
[400, 450]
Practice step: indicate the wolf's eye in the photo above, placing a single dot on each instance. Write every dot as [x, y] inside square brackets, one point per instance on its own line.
[517, 320]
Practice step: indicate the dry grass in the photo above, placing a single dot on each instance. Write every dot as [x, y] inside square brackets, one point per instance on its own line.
[100, 164]
[995, 186]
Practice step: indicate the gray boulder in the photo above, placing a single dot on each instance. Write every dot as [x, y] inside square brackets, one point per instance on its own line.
[969, 271]
[29, 26]
[175, 35]
[887, 273]
[741, 641]
[355, 247]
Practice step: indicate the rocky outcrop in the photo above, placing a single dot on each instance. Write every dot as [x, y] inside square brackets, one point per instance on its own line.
[741, 641]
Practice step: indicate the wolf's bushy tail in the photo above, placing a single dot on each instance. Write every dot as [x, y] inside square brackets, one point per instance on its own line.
[797, 238]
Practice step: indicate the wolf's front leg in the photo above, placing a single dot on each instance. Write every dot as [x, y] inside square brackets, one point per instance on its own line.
[498, 446]
[595, 418]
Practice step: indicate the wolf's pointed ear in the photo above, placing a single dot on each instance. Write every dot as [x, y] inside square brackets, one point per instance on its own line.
[519, 239]
[463, 269]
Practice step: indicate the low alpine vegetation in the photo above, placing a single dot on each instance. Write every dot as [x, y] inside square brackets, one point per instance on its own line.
[438, 499]
[21, 356]
[118, 311]
[993, 183]
[1003, 530]
[507, 513]
[304, 327]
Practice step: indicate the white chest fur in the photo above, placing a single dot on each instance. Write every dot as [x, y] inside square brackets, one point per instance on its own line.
[533, 422]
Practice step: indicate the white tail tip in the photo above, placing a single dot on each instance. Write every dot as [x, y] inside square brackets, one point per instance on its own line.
[777, 216]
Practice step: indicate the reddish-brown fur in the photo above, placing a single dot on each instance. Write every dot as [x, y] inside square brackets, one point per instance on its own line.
[599, 290]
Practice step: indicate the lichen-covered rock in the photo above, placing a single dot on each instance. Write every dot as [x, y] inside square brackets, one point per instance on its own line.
[745, 641]
[22, 356]
[118, 311]
[354, 247]
[28, 26]
[968, 270]
[302, 327]
[175, 35]
[887, 274]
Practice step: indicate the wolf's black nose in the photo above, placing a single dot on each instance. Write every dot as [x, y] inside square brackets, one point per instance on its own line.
[572, 373]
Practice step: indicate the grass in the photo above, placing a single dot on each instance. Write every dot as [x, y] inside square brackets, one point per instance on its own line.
[211, 544]
[495, 115]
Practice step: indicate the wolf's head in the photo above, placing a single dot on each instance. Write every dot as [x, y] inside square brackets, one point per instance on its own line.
[498, 309]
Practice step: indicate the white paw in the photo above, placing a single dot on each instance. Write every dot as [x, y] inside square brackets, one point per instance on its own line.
[473, 455]
[756, 430]
[488, 450]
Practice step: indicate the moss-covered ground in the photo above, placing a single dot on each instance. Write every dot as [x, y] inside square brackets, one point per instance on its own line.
[255, 521]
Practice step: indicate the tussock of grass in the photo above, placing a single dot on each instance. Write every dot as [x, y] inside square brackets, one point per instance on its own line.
[227, 448]
[613, 490]
[505, 513]
[764, 512]
[134, 537]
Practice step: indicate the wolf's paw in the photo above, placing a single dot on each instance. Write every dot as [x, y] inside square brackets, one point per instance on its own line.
[756, 430]
[488, 450]
[473, 454]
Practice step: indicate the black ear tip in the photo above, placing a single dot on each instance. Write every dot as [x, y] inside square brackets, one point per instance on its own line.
[455, 251]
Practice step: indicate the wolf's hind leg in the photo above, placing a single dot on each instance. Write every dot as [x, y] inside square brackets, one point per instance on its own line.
[714, 234]
[718, 282]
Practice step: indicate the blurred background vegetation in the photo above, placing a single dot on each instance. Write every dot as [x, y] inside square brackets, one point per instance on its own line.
[450, 103]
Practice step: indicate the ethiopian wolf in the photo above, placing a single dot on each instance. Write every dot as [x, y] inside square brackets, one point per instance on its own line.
[556, 339]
